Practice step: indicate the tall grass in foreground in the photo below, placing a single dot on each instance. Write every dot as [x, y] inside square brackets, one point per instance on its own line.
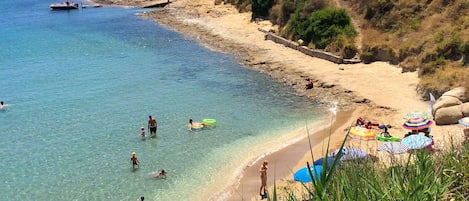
[423, 175]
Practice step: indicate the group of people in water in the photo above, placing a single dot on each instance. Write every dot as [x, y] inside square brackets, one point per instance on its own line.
[152, 127]
[136, 163]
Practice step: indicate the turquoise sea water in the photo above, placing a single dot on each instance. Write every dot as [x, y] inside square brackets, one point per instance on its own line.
[80, 84]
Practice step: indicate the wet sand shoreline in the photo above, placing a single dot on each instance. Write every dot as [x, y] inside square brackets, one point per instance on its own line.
[283, 162]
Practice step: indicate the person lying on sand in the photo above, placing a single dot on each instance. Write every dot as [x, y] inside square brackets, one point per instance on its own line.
[360, 122]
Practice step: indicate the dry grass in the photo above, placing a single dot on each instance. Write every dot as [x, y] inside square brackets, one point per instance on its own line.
[372, 37]
[447, 78]
[427, 35]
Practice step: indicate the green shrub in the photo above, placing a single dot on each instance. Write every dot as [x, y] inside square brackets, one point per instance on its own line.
[260, 8]
[367, 56]
[322, 27]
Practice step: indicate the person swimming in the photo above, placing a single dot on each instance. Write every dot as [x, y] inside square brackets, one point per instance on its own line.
[159, 175]
[3, 106]
[195, 125]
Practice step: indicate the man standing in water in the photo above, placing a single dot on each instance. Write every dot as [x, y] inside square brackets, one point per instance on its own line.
[152, 126]
[263, 171]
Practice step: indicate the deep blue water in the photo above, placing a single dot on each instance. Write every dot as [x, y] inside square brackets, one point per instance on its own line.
[80, 84]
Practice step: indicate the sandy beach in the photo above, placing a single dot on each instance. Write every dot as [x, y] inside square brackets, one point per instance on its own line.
[379, 92]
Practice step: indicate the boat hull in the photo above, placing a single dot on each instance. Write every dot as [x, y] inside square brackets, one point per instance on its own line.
[64, 6]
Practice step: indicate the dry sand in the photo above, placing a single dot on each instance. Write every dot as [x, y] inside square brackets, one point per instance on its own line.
[387, 93]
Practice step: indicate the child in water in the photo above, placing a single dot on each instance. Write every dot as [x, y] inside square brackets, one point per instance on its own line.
[134, 160]
[142, 134]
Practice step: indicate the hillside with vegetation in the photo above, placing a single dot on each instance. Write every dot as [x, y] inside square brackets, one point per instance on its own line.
[428, 36]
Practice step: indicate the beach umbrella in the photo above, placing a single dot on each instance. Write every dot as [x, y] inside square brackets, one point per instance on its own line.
[393, 147]
[416, 141]
[416, 114]
[302, 175]
[361, 133]
[417, 123]
[321, 161]
[464, 121]
[351, 153]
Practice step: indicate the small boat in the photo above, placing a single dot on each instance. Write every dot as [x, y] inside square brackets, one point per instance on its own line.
[92, 6]
[68, 5]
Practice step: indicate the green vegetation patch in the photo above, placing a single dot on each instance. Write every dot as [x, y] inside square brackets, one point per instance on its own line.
[322, 27]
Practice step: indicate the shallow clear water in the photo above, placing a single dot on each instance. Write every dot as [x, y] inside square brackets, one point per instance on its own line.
[80, 84]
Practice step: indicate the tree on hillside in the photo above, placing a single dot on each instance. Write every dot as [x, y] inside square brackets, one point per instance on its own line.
[260, 8]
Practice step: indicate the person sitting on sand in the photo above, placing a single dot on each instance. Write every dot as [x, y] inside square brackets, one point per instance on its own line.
[385, 133]
[425, 131]
[310, 84]
[412, 132]
[430, 146]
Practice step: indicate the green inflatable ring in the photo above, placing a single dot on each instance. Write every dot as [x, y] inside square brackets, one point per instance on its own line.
[210, 122]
